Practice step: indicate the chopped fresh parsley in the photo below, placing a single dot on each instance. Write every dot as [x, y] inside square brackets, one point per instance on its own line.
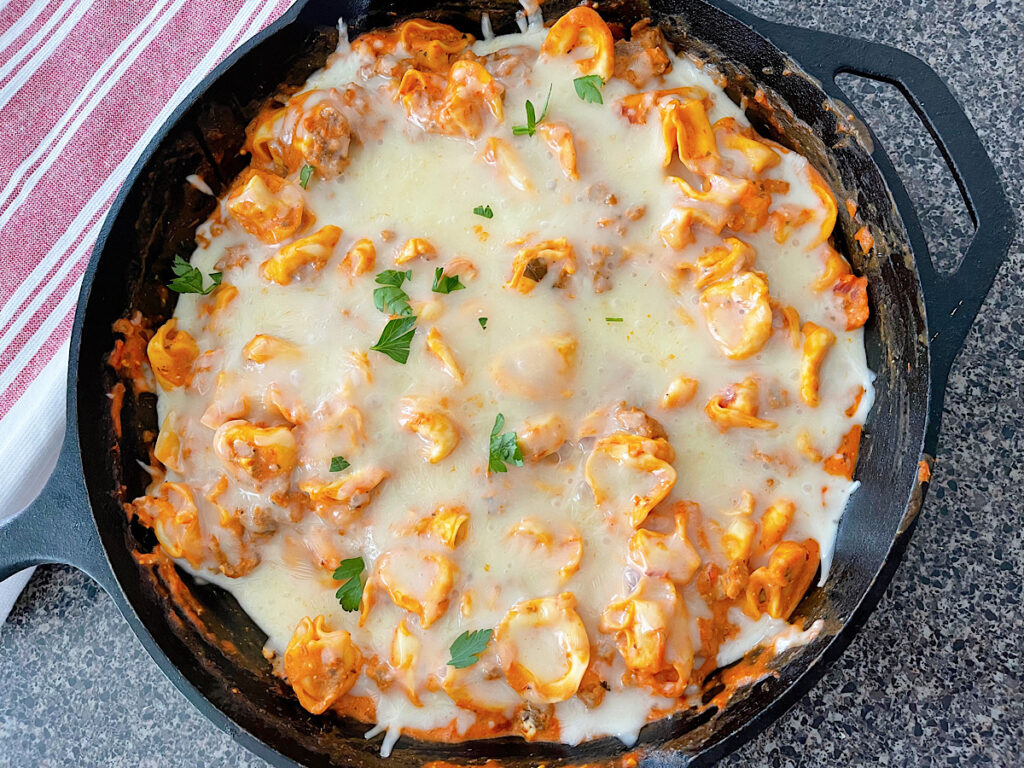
[395, 338]
[485, 211]
[390, 298]
[468, 646]
[531, 118]
[588, 88]
[445, 283]
[189, 279]
[338, 464]
[351, 592]
[504, 448]
[482, 321]
[304, 175]
[613, 319]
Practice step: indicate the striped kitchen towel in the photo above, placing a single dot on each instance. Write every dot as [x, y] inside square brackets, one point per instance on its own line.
[84, 85]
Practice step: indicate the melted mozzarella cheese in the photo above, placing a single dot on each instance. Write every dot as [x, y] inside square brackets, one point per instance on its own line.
[549, 352]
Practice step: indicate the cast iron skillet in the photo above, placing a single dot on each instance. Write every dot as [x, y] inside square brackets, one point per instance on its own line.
[205, 643]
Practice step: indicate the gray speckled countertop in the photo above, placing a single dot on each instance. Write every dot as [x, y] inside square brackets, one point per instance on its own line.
[936, 677]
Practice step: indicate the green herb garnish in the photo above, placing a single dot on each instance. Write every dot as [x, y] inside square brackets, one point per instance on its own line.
[468, 646]
[189, 279]
[390, 298]
[304, 175]
[485, 211]
[445, 283]
[351, 592]
[588, 88]
[338, 464]
[613, 319]
[531, 119]
[395, 338]
[482, 321]
[504, 448]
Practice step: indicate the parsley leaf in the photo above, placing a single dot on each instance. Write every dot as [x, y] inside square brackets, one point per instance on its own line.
[395, 338]
[485, 211]
[503, 448]
[351, 592]
[390, 298]
[445, 283]
[338, 464]
[588, 88]
[189, 279]
[531, 118]
[468, 646]
[482, 321]
[304, 175]
[613, 319]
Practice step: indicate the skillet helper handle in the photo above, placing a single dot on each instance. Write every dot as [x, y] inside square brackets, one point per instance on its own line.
[57, 527]
[952, 299]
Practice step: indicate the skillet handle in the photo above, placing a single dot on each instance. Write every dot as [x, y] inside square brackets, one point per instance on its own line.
[952, 300]
[57, 527]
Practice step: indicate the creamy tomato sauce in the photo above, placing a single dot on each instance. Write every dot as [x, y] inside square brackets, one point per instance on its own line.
[650, 333]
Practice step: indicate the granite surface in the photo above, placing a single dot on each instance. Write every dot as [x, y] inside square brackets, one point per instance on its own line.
[936, 677]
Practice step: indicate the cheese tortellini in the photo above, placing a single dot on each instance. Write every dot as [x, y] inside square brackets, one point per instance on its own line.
[321, 665]
[543, 647]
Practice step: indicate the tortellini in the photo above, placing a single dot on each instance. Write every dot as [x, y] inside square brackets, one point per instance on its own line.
[728, 260]
[681, 390]
[738, 314]
[322, 666]
[253, 453]
[828, 204]
[630, 475]
[405, 650]
[738, 406]
[440, 349]
[415, 248]
[171, 354]
[416, 580]
[309, 252]
[817, 342]
[582, 26]
[314, 129]
[665, 554]
[263, 348]
[543, 647]
[435, 428]
[266, 206]
[532, 264]
[852, 293]
[776, 588]
[470, 88]
[167, 448]
[651, 631]
[173, 516]
[447, 524]
[687, 135]
[360, 258]
[636, 106]
[431, 44]
[775, 522]
[758, 154]
[334, 500]
[542, 436]
[558, 138]
[504, 157]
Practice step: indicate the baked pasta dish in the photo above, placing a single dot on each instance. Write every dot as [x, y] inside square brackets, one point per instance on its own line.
[515, 386]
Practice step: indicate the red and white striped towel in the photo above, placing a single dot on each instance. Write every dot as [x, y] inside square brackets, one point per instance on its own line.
[84, 85]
